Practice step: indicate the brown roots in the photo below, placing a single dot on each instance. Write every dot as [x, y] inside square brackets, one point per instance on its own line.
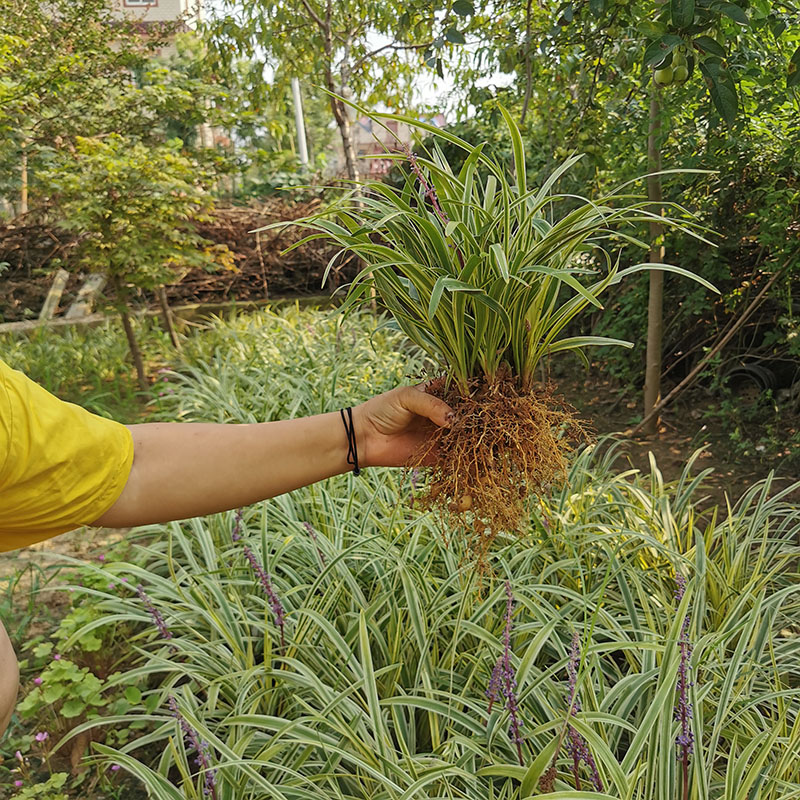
[505, 446]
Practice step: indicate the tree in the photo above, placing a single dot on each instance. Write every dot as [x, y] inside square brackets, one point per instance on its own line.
[133, 207]
[365, 51]
[597, 65]
[59, 62]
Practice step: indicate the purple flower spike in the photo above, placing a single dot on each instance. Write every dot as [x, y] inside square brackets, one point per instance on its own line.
[313, 534]
[154, 613]
[269, 590]
[237, 525]
[683, 708]
[503, 682]
[200, 747]
[509, 677]
[577, 747]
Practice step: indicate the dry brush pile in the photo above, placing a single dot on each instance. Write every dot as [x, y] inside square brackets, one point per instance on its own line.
[32, 247]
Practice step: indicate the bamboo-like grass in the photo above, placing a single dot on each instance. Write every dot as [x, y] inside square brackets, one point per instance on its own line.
[379, 692]
[485, 275]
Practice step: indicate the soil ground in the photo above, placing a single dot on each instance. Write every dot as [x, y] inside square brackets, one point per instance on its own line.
[685, 427]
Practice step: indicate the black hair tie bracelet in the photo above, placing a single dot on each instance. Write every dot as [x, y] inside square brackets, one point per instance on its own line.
[352, 449]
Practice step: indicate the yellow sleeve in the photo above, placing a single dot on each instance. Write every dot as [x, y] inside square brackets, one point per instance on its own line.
[60, 466]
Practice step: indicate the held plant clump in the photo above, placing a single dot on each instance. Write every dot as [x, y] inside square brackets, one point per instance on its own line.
[485, 275]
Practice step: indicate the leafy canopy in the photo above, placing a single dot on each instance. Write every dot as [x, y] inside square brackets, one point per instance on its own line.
[134, 206]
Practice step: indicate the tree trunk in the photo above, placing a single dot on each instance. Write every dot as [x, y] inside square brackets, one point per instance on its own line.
[655, 327]
[346, 132]
[166, 315]
[723, 340]
[23, 168]
[136, 353]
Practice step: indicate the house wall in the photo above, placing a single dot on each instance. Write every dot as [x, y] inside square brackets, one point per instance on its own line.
[158, 10]
[371, 139]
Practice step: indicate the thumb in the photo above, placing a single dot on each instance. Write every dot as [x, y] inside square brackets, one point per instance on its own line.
[416, 400]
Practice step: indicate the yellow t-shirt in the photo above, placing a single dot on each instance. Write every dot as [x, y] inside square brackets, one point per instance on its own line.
[60, 466]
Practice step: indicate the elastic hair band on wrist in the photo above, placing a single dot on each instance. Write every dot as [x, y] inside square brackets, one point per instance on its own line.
[352, 449]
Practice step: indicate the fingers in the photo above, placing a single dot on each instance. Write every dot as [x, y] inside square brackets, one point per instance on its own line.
[416, 400]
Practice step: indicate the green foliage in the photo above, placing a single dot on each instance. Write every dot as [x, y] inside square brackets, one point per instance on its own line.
[45, 791]
[315, 364]
[380, 691]
[134, 207]
[68, 690]
[336, 44]
[474, 265]
[59, 80]
[89, 366]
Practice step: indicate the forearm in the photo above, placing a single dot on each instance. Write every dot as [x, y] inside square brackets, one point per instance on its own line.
[184, 470]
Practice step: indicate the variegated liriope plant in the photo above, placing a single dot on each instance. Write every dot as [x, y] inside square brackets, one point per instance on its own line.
[485, 275]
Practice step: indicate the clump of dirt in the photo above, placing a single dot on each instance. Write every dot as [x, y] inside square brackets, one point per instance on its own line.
[506, 445]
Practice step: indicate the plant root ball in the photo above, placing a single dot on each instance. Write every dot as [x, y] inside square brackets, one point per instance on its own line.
[505, 446]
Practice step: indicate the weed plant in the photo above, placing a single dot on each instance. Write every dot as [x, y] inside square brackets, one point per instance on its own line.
[359, 669]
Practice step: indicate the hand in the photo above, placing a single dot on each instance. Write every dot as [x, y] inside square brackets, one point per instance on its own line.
[391, 426]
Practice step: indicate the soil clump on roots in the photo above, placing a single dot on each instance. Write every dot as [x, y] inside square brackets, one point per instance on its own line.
[505, 446]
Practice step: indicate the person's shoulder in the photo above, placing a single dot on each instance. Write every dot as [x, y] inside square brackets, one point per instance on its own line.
[6, 375]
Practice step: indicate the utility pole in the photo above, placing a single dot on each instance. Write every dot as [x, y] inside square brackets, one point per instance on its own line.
[300, 124]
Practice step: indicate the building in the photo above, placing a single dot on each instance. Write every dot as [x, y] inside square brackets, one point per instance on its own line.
[371, 140]
[154, 12]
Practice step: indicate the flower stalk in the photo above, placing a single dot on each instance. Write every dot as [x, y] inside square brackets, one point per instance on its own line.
[194, 742]
[577, 747]
[503, 682]
[430, 192]
[313, 534]
[275, 604]
[158, 619]
[683, 708]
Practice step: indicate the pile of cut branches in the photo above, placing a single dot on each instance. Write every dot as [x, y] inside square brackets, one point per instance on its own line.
[261, 271]
[32, 248]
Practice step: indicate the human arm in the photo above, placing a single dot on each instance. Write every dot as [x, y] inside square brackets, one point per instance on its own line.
[183, 470]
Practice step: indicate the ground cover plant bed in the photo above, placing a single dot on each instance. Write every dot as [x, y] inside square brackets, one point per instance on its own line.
[485, 274]
[330, 644]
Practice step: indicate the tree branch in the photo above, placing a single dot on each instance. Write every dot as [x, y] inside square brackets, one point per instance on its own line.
[690, 378]
[317, 18]
[358, 64]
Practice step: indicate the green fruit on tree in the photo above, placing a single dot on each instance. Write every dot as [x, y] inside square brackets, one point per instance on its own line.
[680, 74]
[678, 60]
[663, 77]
